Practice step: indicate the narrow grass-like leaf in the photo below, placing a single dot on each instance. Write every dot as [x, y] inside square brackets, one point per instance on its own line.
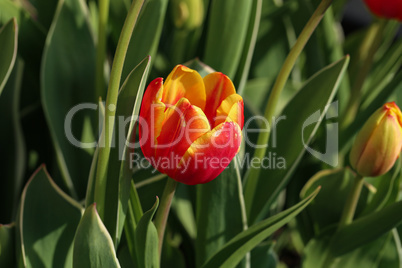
[47, 221]
[8, 50]
[119, 173]
[233, 252]
[67, 91]
[146, 240]
[292, 134]
[228, 20]
[93, 246]
[249, 45]
[146, 35]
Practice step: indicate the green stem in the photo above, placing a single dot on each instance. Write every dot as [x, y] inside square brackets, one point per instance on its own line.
[163, 210]
[110, 108]
[101, 48]
[347, 214]
[351, 203]
[263, 137]
[362, 67]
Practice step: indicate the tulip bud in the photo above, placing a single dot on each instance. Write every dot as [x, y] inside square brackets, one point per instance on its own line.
[379, 142]
[187, 14]
[390, 9]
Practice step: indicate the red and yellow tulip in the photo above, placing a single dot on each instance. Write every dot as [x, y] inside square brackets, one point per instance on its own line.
[379, 143]
[390, 9]
[190, 126]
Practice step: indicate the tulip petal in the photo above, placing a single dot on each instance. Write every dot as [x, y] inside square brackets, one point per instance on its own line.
[183, 124]
[218, 87]
[151, 117]
[184, 82]
[209, 155]
[231, 109]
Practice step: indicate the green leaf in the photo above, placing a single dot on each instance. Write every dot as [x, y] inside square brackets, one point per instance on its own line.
[7, 237]
[93, 246]
[365, 112]
[146, 240]
[8, 50]
[218, 214]
[303, 114]
[387, 189]
[67, 81]
[12, 144]
[327, 208]
[146, 35]
[119, 171]
[249, 45]
[46, 223]
[233, 252]
[31, 37]
[264, 256]
[366, 229]
[228, 21]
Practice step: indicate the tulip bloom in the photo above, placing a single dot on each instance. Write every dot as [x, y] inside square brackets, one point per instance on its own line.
[190, 127]
[378, 144]
[390, 9]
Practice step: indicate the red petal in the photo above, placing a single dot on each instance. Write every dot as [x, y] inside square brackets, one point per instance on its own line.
[183, 124]
[209, 155]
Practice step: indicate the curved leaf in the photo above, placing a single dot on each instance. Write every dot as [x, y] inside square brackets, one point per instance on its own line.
[119, 173]
[366, 229]
[301, 118]
[67, 76]
[93, 246]
[233, 252]
[46, 223]
[146, 35]
[146, 240]
[8, 50]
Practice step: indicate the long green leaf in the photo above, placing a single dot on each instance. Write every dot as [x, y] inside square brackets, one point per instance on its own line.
[127, 111]
[366, 229]
[146, 240]
[218, 214]
[228, 21]
[302, 116]
[67, 81]
[8, 50]
[233, 252]
[46, 223]
[93, 246]
[249, 45]
[146, 35]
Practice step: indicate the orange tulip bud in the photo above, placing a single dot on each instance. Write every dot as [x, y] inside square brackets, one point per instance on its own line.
[390, 9]
[191, 126]
[379, 142]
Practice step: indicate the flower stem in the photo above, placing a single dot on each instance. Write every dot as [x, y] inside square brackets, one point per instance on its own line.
[362, 67]
[163, 210]
[263, 137]
[351, 203]
[347, 214]
[101, 48]
[110, 108]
